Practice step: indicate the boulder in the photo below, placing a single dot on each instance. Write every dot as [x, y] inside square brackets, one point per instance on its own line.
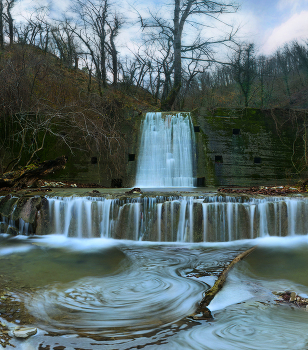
[26, 209]
[7, 204]
[12, 231]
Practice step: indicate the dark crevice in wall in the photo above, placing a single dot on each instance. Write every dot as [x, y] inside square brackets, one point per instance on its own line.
[131, 157]
[218, 159]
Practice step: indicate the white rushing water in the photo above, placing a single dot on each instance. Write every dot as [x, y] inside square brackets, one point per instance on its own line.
[170, 219]
[166, 154]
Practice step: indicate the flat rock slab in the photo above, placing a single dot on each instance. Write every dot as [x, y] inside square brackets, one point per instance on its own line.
[24, 332]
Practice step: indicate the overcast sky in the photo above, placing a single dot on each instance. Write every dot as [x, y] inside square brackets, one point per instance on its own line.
[272, 23]
[267, 23]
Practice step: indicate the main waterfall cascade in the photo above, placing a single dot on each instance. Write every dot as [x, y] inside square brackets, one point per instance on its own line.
[166, 155]
[172, 219]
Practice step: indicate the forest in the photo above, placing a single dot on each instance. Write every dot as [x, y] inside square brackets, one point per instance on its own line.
[67, 76]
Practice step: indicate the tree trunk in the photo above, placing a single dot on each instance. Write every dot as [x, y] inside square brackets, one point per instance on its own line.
[103, 64]
[103, 44]
[167, 104]
[1, 26]
[10, 22]
[114, 55]
[177, 45]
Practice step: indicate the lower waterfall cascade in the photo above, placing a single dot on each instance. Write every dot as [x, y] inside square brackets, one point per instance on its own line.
[166, 156]
[169, 219]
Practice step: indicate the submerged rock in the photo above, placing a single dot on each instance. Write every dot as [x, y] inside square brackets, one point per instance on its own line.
[134, 190]
[3, 227]
[24, 332]
[12, 231]
[291, 298]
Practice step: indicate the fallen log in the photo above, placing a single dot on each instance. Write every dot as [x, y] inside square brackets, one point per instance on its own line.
[27, 176]
[202, 311]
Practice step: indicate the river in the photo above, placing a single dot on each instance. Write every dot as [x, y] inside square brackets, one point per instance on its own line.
[117, 294]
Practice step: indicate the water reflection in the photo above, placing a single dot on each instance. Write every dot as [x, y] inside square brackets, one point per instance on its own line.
[250, 326]
[126, 295]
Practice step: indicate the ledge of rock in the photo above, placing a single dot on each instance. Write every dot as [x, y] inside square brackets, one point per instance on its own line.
[24, 332]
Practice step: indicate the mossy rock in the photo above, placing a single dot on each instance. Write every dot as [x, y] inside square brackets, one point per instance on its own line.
[198, 222]
[29, 212]
[3, 227]
[12, 231]
[26, 209]
[228, 112]
[7, 204]
[43, 219]
[19, 206]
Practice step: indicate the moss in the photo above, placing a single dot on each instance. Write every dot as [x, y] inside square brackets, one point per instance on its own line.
[227, 112]
[7, 204]
[211, 293]
[258, 138]
[210, 177]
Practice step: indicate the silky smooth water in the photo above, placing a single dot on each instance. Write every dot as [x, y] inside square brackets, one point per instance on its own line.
[128, 295]
[178, 219]
[204, 218]
[166, 151]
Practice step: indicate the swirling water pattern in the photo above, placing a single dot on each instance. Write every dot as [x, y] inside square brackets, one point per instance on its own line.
[151, 292]
[145, 302]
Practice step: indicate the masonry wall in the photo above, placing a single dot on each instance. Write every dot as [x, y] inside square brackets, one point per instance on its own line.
[238, 147]
[246, 148]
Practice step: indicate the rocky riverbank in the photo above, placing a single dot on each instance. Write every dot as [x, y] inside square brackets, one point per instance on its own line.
[264, 190]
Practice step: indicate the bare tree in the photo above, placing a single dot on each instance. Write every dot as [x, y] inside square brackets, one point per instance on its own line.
[1, 25]
[93, 16]
[267, 76]
[300, 52]
[39, 106]
[186, 13]
[114, 27]
[244, 69]
[8, 17]
[284, 61]
[65, 43]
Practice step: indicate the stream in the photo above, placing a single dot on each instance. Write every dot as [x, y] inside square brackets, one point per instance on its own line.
[115, 294]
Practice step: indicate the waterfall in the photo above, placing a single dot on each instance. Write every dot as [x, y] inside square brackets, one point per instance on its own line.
[167, 218]
[166, 154]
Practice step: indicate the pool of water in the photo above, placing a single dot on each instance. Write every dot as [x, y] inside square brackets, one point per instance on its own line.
[109, 294]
